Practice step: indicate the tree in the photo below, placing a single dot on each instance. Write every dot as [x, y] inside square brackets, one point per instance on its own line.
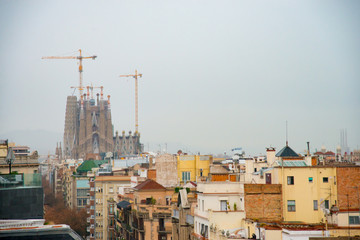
[57, 213]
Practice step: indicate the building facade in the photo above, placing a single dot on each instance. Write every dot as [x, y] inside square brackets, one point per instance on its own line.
[193, 167]
[107, 189]
[166, 173]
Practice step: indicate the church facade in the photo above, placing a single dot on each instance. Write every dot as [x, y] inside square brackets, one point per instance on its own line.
[89, 131]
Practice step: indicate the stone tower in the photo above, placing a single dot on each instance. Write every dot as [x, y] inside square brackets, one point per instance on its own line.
[127, 145]
[88, 127]
[70, 129]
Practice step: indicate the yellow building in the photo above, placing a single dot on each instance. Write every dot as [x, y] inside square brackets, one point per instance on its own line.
[191, 167]
[308, 191]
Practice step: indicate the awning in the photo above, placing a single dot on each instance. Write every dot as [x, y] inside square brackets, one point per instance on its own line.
[123, 204]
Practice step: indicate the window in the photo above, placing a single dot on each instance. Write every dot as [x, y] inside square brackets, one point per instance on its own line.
[201, 172]
[202, 205]
[325, 179]
[327, 204]
[111, 189]
[223, 205]
[354, 220]
[315, 204]
[185, 176]
[290, 180]
[291, 205]
[310, 179]
[82, 192]
[255, 170]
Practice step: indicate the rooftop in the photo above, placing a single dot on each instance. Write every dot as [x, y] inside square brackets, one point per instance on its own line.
[287, 152]
[87, 165]
[149, 185]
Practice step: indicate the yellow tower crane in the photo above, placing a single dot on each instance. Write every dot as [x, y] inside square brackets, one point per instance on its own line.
[135, 76]
[80, 58]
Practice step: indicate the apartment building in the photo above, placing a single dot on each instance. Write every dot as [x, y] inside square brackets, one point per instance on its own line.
[24, 161]
[220, 210]
[150, 213]
[106, 192]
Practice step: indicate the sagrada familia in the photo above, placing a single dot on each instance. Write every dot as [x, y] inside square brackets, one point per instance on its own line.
[88, 131]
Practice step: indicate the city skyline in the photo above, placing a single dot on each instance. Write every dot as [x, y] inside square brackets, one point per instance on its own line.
[215, 76]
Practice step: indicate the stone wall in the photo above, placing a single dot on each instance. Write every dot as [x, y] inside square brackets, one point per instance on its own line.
[263, 201]
[348, 187]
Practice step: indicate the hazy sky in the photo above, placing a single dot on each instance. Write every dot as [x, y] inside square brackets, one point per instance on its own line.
[216, 74]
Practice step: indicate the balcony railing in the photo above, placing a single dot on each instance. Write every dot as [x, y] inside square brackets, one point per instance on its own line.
[166, 229]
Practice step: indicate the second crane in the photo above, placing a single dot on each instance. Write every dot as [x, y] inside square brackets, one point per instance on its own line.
[135, 76]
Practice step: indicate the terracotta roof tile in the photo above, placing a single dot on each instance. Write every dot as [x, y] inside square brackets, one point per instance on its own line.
[149, 185]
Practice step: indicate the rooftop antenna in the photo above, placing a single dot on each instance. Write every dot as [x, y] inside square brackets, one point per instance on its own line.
[287, 133]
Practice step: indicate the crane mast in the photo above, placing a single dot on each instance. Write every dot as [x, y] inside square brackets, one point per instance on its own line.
[135, 76]
[80, 58]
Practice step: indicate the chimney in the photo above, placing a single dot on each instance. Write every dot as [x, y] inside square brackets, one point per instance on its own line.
[270, 155]
[150, 162]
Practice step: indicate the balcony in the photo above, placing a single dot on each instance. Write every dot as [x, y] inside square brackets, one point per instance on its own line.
[175, 214]
[88, 220]
[189, 219]
[166, 229]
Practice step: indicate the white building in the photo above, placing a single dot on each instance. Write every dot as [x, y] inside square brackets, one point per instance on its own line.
[220, 209]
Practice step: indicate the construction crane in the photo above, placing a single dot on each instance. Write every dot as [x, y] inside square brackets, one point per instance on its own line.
[135, 76]
[80, 58]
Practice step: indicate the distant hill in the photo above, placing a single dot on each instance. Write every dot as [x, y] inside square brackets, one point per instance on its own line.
[41, 140]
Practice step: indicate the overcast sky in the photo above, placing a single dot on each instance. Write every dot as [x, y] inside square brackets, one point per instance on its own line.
[216, 74]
